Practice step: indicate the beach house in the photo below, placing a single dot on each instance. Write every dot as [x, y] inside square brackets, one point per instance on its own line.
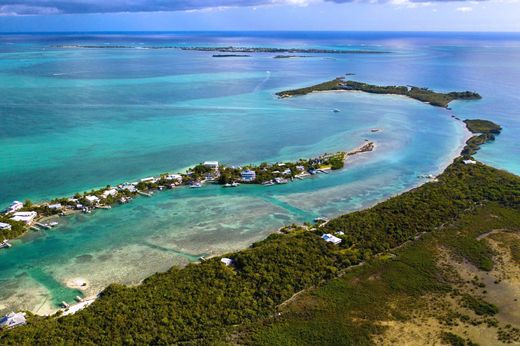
[24, 216]
[4, 226]
[329, 238]
[15, 206]
[226, 261]
[248, 175]
[12, 320]
[211, 164]
[175, 177]
[92, 199]
[55, 206]
[109, 192]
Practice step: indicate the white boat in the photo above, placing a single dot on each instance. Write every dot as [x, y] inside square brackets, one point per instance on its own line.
[5, 244]
[54, 223]
[281, 180]
[268, 183]
[195, 185]
[335, 110]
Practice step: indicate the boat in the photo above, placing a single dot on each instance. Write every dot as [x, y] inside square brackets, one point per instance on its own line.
[234, 184]
[335, 110]
[65, 305]
[268, 183]
[281, 180]
[54, 223]
[5, 244]
[195, 185]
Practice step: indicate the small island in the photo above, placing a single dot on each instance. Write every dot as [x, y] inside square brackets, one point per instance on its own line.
[230, 56]
[485, 130]
[421, 94]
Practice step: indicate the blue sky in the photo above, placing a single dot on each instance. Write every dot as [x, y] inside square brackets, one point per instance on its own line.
[164, 15]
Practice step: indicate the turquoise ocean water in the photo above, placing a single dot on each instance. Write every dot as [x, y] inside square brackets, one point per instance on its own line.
[74, 119]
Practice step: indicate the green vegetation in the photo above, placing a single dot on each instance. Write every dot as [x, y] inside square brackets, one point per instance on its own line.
[203, 303]
[479, 306]
[455, 340]
[421, 94]
[486, 131]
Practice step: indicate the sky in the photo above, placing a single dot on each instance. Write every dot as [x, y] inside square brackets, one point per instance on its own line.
[261, 15]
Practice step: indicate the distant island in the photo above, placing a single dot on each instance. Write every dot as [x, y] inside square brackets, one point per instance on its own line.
[230, 49]
[291, 56]
[231, 56]
[422, 94]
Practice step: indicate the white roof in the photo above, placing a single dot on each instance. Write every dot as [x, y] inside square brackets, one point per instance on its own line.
[55, 206]
[24, 216]
[226, 261]
[91, 198]
[110, 192]
[12, 320]
[147, 179]
[5, 225]
[211, 163]
[174, 176]
[331, 239]
[469, 162]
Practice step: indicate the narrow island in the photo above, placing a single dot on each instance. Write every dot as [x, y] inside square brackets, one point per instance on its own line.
[230, 49]
[230, 56]
[422, 94]
[22, 216]
[351, 280]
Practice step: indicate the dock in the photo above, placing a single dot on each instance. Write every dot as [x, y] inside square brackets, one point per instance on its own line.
[43, 225]
[34, 228]
[5, 244]
[144, 193]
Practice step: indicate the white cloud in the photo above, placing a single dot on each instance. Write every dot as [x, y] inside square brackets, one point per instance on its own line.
[464, 9]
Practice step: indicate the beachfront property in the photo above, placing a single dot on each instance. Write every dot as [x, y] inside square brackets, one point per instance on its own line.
[12, 320]
[248, 175]
[287, 172]
[92, 199]
[109, 192]
[148, 180]
[55, 206]
[14, 207]
[176, 177]
[128, 187]
[5, 226]
[211, 164]
[329, 238]
[24, 216]
[300, 168]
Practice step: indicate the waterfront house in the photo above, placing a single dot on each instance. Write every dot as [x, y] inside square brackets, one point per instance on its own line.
[300, 168]
[148, 180]
[226, 261]
[4, 226]
[211, 164]
[176, 177]
[12, 320]
[24, 216]
[287, 172]
[248, 175]
[15, 206]
[129, 187]
[92, 199]
[329, 238]
[55, 206]
[469, 162]
[110, 192]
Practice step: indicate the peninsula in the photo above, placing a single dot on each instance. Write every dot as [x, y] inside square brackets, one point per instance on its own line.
[364, 274]
[422, 94]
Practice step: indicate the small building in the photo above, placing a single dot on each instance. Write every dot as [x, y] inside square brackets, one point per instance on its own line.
[248, 175]
[176, 177]
[109, 192]
[92, 199]
[300, 168]
[24, 216]
[129, 187]
[12, 320]
[15, 206]
[340, 233]
[287, 172]
[329, 238]
[5, 226]
[469, 162]
[55, 206]
[148, 180]
[226, 261]
[211, 164]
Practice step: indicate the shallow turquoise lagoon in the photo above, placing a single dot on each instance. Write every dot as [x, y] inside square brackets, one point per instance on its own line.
[74, 119]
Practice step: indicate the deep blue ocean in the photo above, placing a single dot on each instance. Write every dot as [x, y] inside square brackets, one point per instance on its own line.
[74, 118]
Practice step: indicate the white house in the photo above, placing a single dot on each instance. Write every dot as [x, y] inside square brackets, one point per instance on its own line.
[469, 162]
[226, 261]
[15, 206]
[211, 164]
[24, 216]
[248, 175]
[329, 238]
[176, 177]
[92, 199]
[300, 168]
[4, 226]
[287, 172]
[148, 180]
[129, 187]
[55, 206]
[12, 320]
[110, 192]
